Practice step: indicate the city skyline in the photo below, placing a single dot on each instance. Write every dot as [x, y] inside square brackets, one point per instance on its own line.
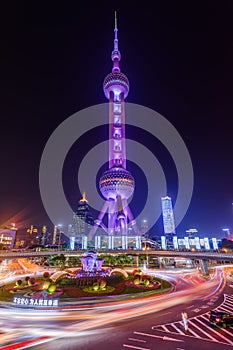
[53, 71]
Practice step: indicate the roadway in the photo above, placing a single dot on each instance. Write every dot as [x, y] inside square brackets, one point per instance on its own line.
[143, 324]
[198, 255]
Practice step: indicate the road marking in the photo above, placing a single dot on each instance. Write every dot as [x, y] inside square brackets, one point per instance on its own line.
[214, 331]
[226, 305]
[159, 336]
[201, 330]
[192, 331]
[172, 339]
[198, 325]
[139, 340]
[178, 330]
[225, 309]
[135, 347]
[229, 303]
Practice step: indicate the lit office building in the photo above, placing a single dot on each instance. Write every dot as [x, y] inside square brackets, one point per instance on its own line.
[7, 238]
[82, 224]
[168, 216]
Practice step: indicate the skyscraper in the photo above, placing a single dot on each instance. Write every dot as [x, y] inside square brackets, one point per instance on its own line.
[168, 216]
[116, 184]
[82, 223]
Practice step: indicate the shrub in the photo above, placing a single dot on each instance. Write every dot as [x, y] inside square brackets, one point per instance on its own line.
[52, 288]
[102, 283]
[68, 282]
[137, 272]
[31, 281]
[45, 285]
[95, 286]
[46, 274]
[18, 283]
[106, 291]
[146, 282]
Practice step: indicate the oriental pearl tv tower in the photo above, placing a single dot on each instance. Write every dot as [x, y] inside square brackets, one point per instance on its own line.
[117, 184]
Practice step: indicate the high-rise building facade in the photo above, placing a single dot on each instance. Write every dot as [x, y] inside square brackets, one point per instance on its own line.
[168, 216]
[82, 223]
[7, 238]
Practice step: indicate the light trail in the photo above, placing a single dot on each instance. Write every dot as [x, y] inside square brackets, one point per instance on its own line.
[51, 323]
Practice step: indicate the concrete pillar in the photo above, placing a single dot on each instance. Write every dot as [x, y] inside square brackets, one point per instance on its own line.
[204, 266]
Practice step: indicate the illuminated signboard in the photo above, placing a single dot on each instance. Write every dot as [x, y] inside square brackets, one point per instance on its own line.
[35, 302]
[181, 241]
[207, 244]
[163, 242]
[215, 244]
[202, 243]
[175, 242]
[192, 241]
[186, 242]
[197, 242]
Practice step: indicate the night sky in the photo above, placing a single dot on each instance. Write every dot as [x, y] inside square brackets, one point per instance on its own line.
[178, 57]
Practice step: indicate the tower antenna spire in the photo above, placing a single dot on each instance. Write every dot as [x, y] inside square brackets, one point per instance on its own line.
[115, 20]
[116, 56]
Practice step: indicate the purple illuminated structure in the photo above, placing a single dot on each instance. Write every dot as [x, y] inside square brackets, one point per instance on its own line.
[117, 183]
[91, 266]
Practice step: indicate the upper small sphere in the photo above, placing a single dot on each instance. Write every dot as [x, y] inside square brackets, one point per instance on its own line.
[116, 182]
[116, 82]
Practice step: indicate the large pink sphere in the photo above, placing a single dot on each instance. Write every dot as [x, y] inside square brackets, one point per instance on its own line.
[116, 182]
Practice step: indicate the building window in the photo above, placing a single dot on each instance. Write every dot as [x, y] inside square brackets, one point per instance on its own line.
[117, 133]
[117, 119]
[117, 146]
[117, 108]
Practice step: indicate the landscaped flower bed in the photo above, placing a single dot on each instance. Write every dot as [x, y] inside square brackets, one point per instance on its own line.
[72, 287]
[14, 289]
